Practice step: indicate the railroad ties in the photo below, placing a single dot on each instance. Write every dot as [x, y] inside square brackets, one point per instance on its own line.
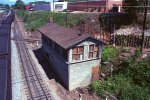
[36, 89]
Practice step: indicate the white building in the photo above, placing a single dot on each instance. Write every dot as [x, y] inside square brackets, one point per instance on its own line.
[58, 6]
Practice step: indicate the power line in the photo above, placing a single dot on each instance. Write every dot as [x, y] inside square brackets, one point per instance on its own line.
[109, 6]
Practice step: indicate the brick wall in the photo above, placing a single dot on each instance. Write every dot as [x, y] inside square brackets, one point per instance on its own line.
[103, 5]
[111, 3]
[81, 6]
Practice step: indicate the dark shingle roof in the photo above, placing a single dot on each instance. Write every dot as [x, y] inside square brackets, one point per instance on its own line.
[65, 37]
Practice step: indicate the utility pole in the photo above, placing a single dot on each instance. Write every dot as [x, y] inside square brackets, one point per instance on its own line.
[144, 24]
[66, 19]
[87, 5]
[53, 5]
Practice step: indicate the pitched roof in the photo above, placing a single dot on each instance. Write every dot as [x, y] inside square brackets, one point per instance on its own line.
[65, 37]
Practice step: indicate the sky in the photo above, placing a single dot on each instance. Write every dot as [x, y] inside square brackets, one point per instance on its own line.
[11, 2]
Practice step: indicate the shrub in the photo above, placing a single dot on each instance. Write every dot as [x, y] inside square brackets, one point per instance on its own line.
[122, 87]
[134, 92]
[109, 53]
[112, 85]
[140, 72]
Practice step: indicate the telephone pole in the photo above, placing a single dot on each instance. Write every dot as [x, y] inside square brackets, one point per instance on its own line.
[144, 24]
[53, 5]
[87, 5]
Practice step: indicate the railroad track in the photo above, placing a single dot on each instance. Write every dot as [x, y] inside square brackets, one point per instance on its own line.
[36, 89]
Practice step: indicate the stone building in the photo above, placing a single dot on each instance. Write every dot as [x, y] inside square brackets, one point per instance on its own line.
[75, 57]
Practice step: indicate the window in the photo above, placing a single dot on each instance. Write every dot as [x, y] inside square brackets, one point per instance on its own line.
[58, 6]
[93, 51]
[77, 53]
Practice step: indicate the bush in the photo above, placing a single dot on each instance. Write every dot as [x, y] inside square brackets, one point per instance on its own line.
[140, 72]
[122, 87]
[109, 53]
[134, 92]
[130, 83]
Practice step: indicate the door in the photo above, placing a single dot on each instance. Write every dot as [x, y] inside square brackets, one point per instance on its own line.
[95, 73]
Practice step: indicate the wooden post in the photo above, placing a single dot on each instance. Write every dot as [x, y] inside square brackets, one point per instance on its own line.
[37, 43]
[145, 41]
[87, 5]
[148, 43]
[127, 40]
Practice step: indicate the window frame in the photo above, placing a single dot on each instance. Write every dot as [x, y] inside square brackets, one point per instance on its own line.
[79, 53]
[95, 50]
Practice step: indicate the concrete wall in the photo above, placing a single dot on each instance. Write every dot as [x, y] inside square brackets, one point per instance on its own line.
[80, 72]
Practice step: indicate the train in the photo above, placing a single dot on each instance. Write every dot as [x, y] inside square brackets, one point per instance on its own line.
[5, 55]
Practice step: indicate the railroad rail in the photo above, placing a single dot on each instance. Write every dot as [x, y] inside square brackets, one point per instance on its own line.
[36, 89]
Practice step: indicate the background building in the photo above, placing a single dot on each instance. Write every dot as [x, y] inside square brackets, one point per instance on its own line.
[58, 6]
[95, 5]
[38, 6]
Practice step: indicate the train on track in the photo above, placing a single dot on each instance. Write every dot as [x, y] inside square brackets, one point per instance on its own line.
[5, 55]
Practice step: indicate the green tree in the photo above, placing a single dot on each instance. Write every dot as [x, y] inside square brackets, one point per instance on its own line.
[7, 6]
[133, 7]
[19, 5]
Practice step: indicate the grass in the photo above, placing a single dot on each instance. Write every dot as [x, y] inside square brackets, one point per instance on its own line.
[35, 20]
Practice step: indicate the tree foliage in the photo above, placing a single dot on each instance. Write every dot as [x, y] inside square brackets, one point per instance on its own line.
[5, 5]
[133, 7]
[19, 5]
[111, 21]
[109, 53]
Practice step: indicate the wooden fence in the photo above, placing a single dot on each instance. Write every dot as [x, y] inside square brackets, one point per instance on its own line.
[131, 41]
